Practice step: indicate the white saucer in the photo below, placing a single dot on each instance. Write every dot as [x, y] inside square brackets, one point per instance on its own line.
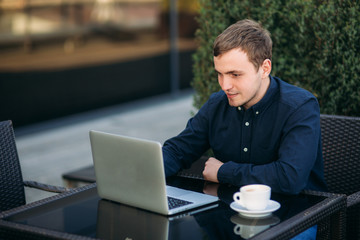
[271, 207]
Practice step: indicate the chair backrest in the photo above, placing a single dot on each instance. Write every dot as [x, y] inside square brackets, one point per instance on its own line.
[12, 193]
[341, 153]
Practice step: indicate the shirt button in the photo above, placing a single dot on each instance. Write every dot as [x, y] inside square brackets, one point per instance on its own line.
[247, 124]
[245, 149]
[257, 112]
[239, 108]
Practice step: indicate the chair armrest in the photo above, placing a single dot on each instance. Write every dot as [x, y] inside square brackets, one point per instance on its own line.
[353, 199]
[45, 187]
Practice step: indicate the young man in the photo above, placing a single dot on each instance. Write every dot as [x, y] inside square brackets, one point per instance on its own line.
[260, 128]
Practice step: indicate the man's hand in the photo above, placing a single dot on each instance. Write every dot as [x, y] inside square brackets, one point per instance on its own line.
[211, 169]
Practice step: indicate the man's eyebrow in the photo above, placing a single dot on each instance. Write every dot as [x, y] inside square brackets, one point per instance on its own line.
[230, 72]
[234, 72]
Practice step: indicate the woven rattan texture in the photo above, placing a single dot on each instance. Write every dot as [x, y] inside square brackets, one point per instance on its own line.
[341, 152]
[45, 187]
[11, 182]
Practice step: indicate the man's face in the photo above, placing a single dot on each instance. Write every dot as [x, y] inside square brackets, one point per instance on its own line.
[238, 78]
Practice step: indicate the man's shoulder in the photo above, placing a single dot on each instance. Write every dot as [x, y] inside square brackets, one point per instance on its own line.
[293, 95]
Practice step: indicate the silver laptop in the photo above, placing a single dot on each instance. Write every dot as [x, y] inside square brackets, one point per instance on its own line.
[131, 171]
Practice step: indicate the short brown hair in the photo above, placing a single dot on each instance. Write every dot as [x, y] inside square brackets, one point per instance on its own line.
[250, 37]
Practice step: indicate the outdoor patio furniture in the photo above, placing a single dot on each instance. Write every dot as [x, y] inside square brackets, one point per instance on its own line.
[341, 152]
[12, 192]
[81, 214]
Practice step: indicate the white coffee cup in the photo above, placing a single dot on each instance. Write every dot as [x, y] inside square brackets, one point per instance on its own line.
[254, 197]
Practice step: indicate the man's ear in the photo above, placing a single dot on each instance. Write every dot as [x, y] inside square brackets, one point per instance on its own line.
[266, 67]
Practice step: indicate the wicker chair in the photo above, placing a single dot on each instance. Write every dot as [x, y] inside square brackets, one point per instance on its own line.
[12, 192]
[341, 152]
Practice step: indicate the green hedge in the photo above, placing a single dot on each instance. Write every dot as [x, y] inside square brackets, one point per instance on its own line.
[316, 46]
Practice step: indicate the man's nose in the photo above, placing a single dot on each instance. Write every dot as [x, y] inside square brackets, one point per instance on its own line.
[227, 84]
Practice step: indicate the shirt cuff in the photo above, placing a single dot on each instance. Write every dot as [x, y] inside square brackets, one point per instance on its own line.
[226, 172]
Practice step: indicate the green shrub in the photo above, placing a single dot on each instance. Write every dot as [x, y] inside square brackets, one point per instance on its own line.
[316, 46]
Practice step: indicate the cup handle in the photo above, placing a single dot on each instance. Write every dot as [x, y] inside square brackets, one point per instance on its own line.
[237, 229]
[237, 198]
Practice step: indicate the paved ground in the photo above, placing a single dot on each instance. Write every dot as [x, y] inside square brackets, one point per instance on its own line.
[48, 150]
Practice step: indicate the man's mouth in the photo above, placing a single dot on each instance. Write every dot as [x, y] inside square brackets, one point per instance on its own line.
[231, 95]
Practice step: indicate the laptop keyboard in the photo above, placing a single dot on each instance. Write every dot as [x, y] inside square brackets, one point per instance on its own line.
[175, 202]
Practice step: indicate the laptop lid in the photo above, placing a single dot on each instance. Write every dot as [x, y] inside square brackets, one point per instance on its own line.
[131, 171]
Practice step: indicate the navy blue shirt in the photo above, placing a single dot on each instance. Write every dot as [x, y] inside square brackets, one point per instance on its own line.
[276, 142]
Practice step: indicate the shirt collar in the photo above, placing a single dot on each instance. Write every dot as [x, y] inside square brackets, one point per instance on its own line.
[260, 106]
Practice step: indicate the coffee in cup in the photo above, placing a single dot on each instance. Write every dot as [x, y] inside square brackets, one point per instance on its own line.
[254, 197]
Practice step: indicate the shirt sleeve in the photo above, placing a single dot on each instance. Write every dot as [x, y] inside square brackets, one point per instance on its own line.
[297, 155]
[181, 151]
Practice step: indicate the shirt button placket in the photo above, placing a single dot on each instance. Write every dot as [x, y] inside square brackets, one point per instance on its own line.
[246, 137]
[245, 149]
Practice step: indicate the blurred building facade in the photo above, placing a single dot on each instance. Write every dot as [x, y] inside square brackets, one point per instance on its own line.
[61, 57]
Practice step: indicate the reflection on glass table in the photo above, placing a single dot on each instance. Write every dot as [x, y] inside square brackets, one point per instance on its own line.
[82, 214]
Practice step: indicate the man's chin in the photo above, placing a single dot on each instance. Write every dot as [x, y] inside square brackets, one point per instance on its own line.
[233, 103]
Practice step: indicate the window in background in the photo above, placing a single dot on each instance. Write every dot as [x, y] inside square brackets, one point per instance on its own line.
[71, 31]
[60, 57]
